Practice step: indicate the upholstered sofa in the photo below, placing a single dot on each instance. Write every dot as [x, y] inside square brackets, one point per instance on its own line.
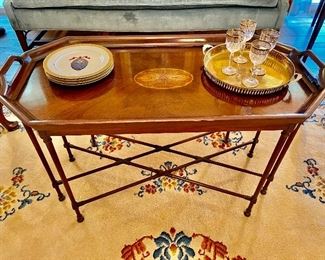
[140, 15]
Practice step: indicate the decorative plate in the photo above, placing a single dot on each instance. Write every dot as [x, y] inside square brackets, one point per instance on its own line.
[78, 61]
[80, 82]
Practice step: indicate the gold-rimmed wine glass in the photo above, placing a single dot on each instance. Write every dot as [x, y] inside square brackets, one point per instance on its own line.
[234, 38]
[271, 36]
[257, 54]
[248, 26]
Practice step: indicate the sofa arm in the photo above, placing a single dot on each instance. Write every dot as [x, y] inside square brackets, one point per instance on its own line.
[8, 6]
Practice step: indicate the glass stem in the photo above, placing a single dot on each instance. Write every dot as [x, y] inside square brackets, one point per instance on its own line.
[242, 48]
[253, 71]
[230, 57]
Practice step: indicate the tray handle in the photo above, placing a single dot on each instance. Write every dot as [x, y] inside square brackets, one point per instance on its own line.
[300, 57]
[296, 77]
[206, 47]
[4, 85]
[12, 89]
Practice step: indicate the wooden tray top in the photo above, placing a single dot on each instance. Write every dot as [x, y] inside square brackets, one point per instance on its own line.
[157, 85]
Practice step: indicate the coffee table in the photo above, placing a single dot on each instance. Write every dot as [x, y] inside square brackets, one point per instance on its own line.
[179, 99]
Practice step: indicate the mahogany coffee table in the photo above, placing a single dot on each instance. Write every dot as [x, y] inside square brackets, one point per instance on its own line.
[157, 86]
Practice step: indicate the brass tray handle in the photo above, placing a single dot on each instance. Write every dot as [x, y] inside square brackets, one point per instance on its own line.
[296, 77]
[206, 47]
[300, 57]
[4, 85]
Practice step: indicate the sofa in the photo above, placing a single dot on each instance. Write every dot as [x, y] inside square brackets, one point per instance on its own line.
[140, 16]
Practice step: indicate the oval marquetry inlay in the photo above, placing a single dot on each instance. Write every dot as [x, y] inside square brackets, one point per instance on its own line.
[163, 78]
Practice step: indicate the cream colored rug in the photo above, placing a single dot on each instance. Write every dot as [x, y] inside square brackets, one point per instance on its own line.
[164, 218]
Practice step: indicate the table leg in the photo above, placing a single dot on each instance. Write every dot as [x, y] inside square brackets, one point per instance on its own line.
[40, 153]
[279, 160]
[272, 162]
[227, 140]
[93, 141]
[255, 141]
[48, 142]
[67, 147]
[10, 126]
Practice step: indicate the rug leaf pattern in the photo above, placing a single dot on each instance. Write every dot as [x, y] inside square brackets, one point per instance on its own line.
[107, 144]
[17, 196]
[217, 140]
[177, 245]
[164, 183]
[313, 184]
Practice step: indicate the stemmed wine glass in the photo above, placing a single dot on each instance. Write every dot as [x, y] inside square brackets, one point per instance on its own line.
[234, 38]
[257, 54]
[248, 26]
[271, 36]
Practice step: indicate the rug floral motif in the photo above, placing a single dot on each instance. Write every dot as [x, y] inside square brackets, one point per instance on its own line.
[164, 183]
[108, 144]
[177, 245]
[111, 144]
[313, 184]
[217, 140]
[18, 195]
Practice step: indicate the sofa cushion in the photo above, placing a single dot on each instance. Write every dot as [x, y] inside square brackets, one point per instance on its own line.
[135, 4]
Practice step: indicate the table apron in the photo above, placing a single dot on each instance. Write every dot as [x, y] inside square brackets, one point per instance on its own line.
[164, 127]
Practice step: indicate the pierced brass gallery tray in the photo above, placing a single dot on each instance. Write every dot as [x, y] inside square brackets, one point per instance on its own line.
[280, 71]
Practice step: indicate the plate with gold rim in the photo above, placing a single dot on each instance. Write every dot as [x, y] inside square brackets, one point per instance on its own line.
[81, 81]
[78, 61]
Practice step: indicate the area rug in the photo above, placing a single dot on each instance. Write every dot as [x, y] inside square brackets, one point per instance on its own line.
[165, 218]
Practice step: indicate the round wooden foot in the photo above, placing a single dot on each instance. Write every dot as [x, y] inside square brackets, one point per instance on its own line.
[247, 213]
[61, 197]
[263, 191]
[250, 155]
[80, 218]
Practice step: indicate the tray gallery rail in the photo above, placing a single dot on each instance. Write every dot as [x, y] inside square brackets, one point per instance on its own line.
[280, 71]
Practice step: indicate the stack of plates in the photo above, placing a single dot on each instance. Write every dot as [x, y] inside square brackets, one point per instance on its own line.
[78, 64]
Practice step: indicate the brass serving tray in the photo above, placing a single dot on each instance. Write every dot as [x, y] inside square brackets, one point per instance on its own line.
[280, 71]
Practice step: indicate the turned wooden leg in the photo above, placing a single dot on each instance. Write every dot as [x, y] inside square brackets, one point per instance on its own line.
[48, 141]
[227, 140]
[255, 141]
[275, 159]
[40, 153]
[10, 126]
[67, 147]
[93, 141]
[281, 156]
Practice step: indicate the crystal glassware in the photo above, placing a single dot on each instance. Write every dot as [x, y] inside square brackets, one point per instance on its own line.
[271, 36]
[257, 54]
[248, 26]
[234, 38]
